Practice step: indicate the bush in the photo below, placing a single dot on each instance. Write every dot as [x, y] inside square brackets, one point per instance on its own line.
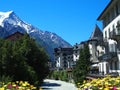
[60, 75]
[5, 79]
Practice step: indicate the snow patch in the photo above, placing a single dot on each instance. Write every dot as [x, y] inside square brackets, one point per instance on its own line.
[4, 15]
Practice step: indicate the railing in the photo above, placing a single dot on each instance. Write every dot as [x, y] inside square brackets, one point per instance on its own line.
[93, 76]
[108, 56]
[115, 33]
[112, 34]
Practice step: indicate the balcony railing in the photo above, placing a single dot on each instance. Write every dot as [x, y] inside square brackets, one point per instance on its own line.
[108, 56]
[112, 34]
[115, 35]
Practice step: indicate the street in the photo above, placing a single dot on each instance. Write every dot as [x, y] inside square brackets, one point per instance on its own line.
[57, 85]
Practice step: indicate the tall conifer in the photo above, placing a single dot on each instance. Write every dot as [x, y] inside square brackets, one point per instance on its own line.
[82, 66]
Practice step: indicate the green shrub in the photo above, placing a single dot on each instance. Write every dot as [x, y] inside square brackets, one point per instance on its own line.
[61, 75]
[5, 79]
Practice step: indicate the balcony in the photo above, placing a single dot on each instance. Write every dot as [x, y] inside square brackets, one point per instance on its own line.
[108, 56]
[115, 34]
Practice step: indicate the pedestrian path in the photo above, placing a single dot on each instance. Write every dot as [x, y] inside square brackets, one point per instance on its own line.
[57, 85]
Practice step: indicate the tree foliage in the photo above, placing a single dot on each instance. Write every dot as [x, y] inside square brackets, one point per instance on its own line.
[61, 75]
[23, 59]
[82, 66]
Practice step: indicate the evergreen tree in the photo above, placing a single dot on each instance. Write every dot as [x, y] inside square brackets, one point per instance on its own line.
[23, 59]
[82, 66]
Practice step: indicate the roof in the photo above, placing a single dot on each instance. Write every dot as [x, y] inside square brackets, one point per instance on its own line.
[17, 32]
[106, 8]
[96, 34]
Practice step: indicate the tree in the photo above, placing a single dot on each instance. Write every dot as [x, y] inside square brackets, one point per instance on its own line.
[36, 57]
[82, 66]
[23, 59]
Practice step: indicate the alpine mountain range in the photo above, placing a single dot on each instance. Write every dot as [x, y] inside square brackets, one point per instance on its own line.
[11, 23]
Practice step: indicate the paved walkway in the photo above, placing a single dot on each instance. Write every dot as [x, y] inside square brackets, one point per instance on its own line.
[57, 85]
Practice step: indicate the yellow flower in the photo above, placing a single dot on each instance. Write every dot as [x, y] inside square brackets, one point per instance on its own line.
[84, 81]
[23, 84]
[101, 88]
[88, 84]
[17, 82]
[106, 88]
[34, 88]
[106, 83]
[2, 88]
[31, 86]
[85, 87]
[118, 88]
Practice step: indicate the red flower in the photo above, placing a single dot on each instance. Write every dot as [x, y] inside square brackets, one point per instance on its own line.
[9, 86]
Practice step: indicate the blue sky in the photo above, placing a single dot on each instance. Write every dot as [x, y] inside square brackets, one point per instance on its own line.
[73, 20]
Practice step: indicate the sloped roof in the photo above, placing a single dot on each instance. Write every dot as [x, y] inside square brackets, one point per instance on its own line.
[96, 34]
[106, 8]
[17, 33]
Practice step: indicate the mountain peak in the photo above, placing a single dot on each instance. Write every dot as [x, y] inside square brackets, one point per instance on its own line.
[12, 23]
[4, 15]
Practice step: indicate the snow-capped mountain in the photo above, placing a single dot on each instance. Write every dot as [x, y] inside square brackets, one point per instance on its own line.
[10, 23]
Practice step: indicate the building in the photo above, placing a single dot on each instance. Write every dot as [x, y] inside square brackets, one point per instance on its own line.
[76, 51]
[96, 48]
[14, 36]
[110, 17]
[95, 41]
[63, 58]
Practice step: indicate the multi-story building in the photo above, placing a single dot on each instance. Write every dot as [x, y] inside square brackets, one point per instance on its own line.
[96, 48]
[76, 51]
[95, 41]
[63, 58]
[110, 61]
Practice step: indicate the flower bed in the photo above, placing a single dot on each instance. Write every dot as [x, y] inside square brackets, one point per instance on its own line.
[106, 83]
[18, 85]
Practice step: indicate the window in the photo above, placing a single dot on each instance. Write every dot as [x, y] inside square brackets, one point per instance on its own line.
[118, 27]
[104, 22]
[116, 65]
[76, 47]
[113, 27]
[111, 66]
[102, 47]
[97, 53]
[108, 19]
[119, 7]
[76, 51]
[116, 9]
[109, 32]
[112, 47]
[105, 34]
[115, 47]
[112, 14]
